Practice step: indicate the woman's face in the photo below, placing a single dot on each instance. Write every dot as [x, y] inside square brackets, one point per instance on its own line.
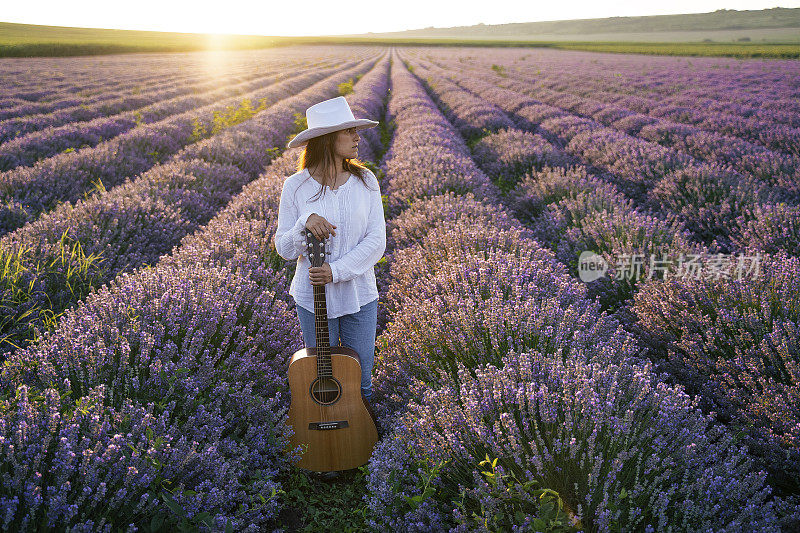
[346, 143]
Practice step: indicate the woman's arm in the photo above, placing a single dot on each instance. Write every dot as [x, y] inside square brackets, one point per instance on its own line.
[367, 252]
[289, 239]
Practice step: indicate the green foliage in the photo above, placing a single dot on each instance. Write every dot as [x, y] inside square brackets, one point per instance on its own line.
[430, 471]
[474, 139]
[230, 116]
[309, 504]
[35, 295]
[385, 202]
[155, 156]
[300, 123]
[198, 130]
[346, 87]
[740, 50]
[234, 114]
[500, 69]
[385, 132]
[517, 502]
[98, 187]
[513, 501]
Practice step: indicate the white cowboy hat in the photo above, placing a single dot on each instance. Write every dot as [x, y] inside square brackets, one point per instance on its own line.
[327, 116]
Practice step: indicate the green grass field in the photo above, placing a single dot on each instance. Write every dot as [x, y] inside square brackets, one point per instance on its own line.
[25, 40]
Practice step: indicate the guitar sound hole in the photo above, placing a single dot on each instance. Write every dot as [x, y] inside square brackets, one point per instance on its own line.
[326, 390]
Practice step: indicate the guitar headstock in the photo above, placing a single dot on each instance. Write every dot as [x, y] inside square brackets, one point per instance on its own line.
[315, 249]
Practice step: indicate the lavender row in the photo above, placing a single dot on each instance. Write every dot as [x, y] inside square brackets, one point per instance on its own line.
[410, 180]
[722, 208]
[459, 302]
[491, 109]
[74, 73]
[188, 425]
[741, 88]
[100, 83]
[744, 156]
[734, 345]
[711, 146]
[67, 253]
[37, 80]
[71, 99]
[15, 109]
[41, 87]
[556, 88]
[115, 102]
[531, 115]
[697, 112]
[563, 207]
[39, 145]
[570, 211]
[607, 224]
[575, 218]
[206, 349]
[29, 191]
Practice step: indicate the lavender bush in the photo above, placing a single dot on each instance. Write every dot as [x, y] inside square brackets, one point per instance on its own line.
[475, 308]
[624, 451]
[203, 349]
[734, 343]
[422, 216]
[509, 153]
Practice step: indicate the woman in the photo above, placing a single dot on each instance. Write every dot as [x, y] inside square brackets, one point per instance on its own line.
[336, 198]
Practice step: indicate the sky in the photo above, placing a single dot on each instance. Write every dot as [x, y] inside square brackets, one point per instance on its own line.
[329, 17]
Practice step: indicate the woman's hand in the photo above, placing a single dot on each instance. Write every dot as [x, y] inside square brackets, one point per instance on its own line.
[320, 227]
[320, 275]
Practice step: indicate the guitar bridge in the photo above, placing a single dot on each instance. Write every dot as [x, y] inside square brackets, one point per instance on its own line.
[338, 424]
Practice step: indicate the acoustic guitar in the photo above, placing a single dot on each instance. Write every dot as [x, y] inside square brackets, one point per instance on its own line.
[328, 413]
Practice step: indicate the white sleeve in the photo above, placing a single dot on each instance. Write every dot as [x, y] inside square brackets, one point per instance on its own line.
[370, 249]
[289, 239]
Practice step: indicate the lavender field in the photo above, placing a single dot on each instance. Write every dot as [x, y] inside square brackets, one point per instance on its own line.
[146, 325]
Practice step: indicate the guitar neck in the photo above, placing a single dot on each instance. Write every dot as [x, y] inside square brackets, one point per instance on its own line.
[321, 332]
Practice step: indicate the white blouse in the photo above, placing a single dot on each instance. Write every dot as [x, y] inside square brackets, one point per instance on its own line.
[359, 243]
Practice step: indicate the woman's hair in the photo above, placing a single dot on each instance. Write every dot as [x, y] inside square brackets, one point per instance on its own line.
[319, 153]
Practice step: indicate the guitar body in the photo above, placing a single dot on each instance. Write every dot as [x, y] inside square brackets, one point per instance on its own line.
[329, 414]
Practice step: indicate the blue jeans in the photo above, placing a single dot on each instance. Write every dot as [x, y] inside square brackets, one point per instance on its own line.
[356, 331]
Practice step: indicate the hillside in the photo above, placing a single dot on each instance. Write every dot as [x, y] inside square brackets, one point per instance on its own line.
[776, 24]
[768, 33]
